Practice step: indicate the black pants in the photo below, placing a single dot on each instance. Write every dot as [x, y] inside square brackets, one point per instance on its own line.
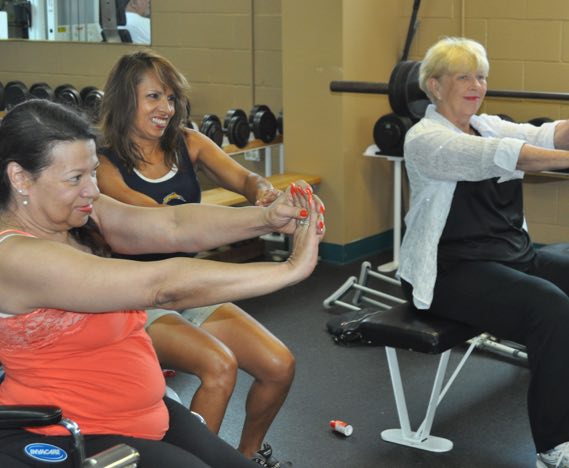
[188, 443]
[529, 305]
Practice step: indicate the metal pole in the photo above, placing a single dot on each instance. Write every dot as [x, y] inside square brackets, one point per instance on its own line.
[369, 87]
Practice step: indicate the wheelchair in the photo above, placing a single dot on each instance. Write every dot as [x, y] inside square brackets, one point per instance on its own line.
[18, 416]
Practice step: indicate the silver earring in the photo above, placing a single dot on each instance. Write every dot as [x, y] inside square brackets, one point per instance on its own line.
[25, 202]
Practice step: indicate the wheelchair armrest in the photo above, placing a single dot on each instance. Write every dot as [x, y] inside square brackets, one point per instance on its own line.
[18, 416]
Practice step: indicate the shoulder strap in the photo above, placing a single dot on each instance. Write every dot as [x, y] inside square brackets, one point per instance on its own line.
[13, 232]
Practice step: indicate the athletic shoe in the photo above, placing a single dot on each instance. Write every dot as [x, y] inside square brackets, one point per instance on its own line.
[557, 457]
[264, 457]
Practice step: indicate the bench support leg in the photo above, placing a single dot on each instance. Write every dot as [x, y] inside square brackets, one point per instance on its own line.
[421, 439]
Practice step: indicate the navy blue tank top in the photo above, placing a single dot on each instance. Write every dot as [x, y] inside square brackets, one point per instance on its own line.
[172, 189]
[178, 187]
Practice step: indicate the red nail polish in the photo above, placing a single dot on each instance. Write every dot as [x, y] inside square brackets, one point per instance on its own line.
[303, 213]
[321, 225]
[292, 188]
[322, 209]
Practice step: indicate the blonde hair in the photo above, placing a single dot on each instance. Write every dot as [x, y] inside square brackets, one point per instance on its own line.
[451, 55]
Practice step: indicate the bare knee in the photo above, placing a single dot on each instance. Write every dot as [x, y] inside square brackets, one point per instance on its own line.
[220, 372]
[281, 369]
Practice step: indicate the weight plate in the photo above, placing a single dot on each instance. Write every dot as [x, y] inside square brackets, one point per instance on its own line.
[92, 98]
[405, 96]
[41, 91]
[211, 127]
[237, 127]
[15, 92]
[66, 94]
[263, 123]
[389, 133]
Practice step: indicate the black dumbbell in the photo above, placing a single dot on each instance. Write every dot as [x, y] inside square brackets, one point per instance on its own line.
[211, 127]
[15, 92]
[280, 123]
[539, 121]
[42, 91]
[263, 123]
[236, 127]
[66, 94]
[91, 99]
[389, 133]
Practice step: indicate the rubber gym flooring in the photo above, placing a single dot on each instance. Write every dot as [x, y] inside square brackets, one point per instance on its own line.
[484, 412]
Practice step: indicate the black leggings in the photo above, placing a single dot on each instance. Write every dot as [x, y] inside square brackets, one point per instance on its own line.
[188, 443]
[528, 305]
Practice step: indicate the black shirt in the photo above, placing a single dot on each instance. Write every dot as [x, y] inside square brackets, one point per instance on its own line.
[485, 223]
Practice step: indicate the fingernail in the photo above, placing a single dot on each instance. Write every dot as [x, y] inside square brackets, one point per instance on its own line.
[321, 225]
[308, 190]
[322, 209]
[292, 188]
[303, 213]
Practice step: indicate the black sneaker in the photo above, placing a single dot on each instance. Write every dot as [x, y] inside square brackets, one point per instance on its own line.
[264, 457]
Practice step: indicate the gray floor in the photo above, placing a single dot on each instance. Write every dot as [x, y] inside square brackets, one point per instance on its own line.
[484, 413]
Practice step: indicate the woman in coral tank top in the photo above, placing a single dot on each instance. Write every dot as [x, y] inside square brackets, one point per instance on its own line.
[71, 318]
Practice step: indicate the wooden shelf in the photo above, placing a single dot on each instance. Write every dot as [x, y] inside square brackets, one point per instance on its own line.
[221, 196]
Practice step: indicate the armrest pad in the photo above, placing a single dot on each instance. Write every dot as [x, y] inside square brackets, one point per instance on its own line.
[17, 416]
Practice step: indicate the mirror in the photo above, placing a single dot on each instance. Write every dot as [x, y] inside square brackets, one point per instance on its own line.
[76, 20]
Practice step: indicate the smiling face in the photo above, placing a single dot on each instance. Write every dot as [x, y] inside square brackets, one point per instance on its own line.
[62, 196]
[155, 106]
[458, 95]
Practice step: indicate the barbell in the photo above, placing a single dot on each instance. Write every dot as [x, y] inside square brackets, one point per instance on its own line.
[407, 99]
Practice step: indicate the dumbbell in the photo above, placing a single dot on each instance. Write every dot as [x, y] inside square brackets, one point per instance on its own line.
[389, 133]
[15, 92]
[91, 99]
[211, 127]
[67, 95]
[236, 127]
[42, 91]
[539, 121]
[263, 123]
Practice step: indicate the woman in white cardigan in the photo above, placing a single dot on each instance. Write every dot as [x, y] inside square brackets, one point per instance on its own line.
[466, 254]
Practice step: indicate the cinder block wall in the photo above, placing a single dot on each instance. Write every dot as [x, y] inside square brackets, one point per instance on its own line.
[235, 53]
[230, 51]
[528, 47]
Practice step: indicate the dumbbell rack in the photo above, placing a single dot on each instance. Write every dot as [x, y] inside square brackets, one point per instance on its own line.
[267, 148]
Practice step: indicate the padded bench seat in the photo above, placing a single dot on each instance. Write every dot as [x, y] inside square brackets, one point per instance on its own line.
[405, 327]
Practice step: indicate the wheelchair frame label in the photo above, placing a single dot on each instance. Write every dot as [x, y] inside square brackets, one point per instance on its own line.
[45, 452]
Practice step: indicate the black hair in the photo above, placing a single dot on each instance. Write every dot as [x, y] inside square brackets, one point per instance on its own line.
[28, 133]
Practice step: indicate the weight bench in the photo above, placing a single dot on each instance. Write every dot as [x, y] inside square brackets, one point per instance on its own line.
[405, 327]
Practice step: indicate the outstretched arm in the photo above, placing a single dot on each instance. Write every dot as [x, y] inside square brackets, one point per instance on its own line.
[191, 227]
[227, 172]
[36, 273]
